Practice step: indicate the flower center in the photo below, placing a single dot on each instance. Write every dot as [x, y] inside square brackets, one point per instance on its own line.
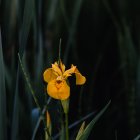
[58, 84]
[59, 78]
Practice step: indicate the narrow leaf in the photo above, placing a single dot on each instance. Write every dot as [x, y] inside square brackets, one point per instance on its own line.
[72, 29]
[39, 120]
[76, 123]
[27, 18]
[25, 28]
[3, 116]
[88, 129]
[81, 130]
[137, 138]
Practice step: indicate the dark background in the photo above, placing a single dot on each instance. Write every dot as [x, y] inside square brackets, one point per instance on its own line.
[100, 37]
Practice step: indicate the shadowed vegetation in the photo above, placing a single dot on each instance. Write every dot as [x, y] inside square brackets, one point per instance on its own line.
[100, 37]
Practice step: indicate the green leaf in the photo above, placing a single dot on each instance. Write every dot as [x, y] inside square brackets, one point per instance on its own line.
[3, 133]
[62, 133]
[72, 28]
[23, 36]
[81, 130]
[88, 129]
[137, 138]
[25, 27]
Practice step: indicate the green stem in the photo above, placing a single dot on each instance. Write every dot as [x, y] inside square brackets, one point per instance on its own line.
[29, 85]
[32, 91]
[47, 134]
[66, 126]
[59, 54]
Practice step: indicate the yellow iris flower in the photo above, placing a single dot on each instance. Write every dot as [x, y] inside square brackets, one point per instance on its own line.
[56, 77]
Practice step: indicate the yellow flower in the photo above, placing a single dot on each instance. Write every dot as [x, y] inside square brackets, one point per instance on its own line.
[56, 77]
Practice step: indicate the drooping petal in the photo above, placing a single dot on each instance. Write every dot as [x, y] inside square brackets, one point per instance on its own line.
[52, 89]
[80, 79]
[68, 72]
[49, 75]
[64, 91]
[58, 90]
[56, 68]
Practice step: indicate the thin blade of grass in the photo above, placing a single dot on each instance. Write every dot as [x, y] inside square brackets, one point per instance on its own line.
[81, 130]
[76, 123]
[72, 28]
[88, 129]
[137, 138]
[3, 131]
[51, 11]
[129, 56]
[25, 28]
[39, 44]
[64, 12]
[62, 132]
[23, 35]
[28, 83]
[32, 91]
[39, 120]
[15, 118]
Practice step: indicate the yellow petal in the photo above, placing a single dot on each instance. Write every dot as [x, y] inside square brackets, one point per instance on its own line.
[49, 75]
[62, 66]
[68, 72]
[58, 90]
[56, 68]
[80, 79]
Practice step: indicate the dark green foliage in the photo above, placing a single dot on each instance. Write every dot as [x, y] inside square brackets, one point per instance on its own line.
[101, 37]
[3, 113]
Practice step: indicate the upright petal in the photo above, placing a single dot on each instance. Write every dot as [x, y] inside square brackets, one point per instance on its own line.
[49, 75]
[56, 68]
[68, 72]
[62, 66]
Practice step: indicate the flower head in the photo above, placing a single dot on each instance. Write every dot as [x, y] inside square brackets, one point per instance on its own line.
[56, 77]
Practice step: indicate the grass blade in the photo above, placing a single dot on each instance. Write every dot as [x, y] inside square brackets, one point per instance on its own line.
[137, 138]
[88, 129]
[76, 123]
[39, 120]
[72, 29]
[25, 28]
[3, 133]
[27, 18]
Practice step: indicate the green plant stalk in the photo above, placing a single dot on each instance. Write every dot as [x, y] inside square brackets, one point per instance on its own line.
[29, 85]
[47, 134]
[32, 92]
[59, 54]
[66, 126]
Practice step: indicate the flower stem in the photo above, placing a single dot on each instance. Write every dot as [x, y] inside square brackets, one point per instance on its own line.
[66, 126]
[59, 54]
[32, 91]
[28, 84]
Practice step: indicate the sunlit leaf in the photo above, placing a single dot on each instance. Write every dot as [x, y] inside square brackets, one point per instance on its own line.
[81, 130]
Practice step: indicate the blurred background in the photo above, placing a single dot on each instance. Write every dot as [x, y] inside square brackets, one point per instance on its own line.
[100, 37]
